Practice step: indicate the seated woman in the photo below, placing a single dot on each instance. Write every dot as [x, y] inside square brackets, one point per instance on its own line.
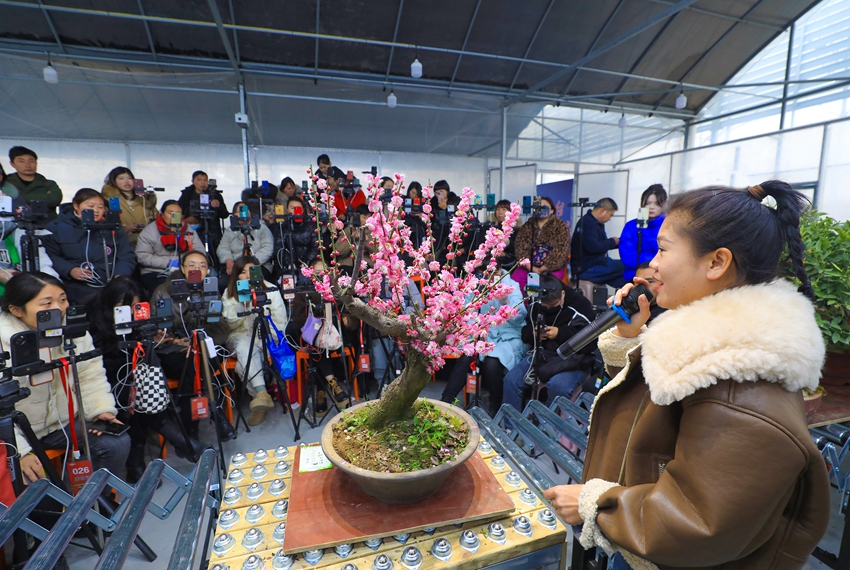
[545, 241]
[117, 363]
[47, 408]
[295, 243]
[239, 338]
[258, 243]
[87, 258]
[507, 351]
[639, 245]
[346, 249]
[136, 211]
[162, 243]
[176, 357]
[312, 303]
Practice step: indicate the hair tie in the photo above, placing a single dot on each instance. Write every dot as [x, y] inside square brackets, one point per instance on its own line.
[757, 192]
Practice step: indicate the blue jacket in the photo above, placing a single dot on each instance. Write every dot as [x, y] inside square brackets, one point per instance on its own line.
[629, 245]
[592, 248]
[509, 347]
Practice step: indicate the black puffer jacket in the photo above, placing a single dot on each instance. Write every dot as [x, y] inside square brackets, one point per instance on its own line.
[305, 245]
[70, 245]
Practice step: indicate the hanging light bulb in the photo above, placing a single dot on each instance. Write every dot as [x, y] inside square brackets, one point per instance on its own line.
[681, 100]
[392, 100]
[50, 75]
[416, 69]
[622, 122]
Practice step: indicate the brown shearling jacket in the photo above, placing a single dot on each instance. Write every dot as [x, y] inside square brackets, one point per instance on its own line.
[699, 455]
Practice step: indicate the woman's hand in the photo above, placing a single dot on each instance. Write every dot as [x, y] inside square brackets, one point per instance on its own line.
[31, 468]
[631, 330]
[81, 274]
[105, 417]
[564, 499]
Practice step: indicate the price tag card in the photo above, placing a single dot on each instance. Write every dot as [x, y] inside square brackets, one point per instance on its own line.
[364, 363]
[200, 407]
[471, 383]
[79, 472]
[313, 459]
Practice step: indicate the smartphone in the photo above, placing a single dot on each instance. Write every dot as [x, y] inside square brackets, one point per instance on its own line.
[139, 187]
[304, 186]
[49, 328]
[491, 200]
[255, 274]
[6, 204]
[176, 219]
[76, 321]
[122, 315]
[279, 210]
[205, 202]
[214, 312]
[533, 284]
[287, 287]
[526, 204]
[164, 308]
[244, 212]
[179, 287]
[87, 216]
[115, 204]
[243, 290]
[211, 285]
[24, 350]
[141, 311]
[194, 276]
[297, 212]
[108, 428]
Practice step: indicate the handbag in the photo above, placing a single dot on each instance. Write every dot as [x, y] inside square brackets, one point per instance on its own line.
[284, 358]
[550, 363]
[152, 395]
[329, 337]
[311, 327]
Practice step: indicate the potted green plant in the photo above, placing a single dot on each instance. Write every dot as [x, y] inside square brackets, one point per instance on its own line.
[827, 263]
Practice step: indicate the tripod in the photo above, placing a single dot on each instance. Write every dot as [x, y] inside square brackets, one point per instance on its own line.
[261, 327]
[311, 389]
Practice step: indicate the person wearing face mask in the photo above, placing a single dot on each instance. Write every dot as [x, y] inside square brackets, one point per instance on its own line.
[136, 211]
[47, 407]
[639, 241]
[564, 312]
[79, 255]
[162, 243]
[545, 241]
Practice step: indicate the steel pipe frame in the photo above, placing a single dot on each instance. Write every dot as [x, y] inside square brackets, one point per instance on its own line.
[14, 515]
[531, 43]
[115, 553]
[463, 47]
[51, 25]
[559, 424]
[185, 548]
[224, 40]
[395, 37]
[704, 12]
[147, 30]
[661, 16]
[315, 35]
[595, 41]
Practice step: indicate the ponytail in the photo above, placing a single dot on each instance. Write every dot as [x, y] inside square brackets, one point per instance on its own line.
[790, 206]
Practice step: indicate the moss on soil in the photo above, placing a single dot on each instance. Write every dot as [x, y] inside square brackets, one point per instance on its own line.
[427, 438]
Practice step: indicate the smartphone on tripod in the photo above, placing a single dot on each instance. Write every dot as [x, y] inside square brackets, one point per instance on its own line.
[49, 328]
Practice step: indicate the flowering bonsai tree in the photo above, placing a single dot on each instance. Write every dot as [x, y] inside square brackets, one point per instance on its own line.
[451, 322]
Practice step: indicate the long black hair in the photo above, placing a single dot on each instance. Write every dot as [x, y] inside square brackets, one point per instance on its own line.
[24, 287]
[120, 291]
[756, 234]
[238, 266]
[115, 173]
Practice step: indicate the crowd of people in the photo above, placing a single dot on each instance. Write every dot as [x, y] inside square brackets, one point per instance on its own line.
[119, 246]
[717, 264]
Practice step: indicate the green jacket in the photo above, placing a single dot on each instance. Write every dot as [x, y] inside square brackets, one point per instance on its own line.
[39, 189]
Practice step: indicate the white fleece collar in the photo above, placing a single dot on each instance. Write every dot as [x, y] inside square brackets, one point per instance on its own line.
[753, 332]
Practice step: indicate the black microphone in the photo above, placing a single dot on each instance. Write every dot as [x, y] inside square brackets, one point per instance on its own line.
[622, 312]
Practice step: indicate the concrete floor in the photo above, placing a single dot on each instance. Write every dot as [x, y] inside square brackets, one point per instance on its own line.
[276, 430]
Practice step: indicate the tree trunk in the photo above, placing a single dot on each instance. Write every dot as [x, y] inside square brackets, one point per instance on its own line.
[399, 397]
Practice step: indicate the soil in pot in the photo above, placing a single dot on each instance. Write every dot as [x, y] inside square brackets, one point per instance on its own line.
[426, 439]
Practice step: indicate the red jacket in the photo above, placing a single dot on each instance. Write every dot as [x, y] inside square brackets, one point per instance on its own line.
[342, 202]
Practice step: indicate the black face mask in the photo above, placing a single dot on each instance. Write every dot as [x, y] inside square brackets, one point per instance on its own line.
[551, 310]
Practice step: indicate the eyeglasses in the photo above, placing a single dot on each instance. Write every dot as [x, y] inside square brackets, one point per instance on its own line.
[196, 266]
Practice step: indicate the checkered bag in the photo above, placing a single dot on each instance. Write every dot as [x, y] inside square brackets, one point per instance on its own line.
[151, 387]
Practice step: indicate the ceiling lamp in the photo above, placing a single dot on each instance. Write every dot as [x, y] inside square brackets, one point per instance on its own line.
[50, 75]
[681, 100]
[392, 100]
[416, 69]
[622, 122]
